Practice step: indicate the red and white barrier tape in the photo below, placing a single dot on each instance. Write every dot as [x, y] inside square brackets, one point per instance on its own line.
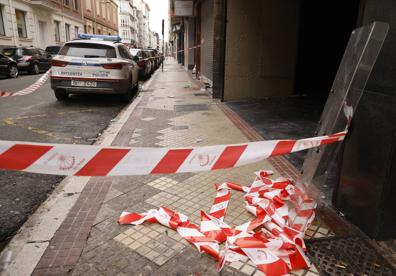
[175, 52]
[272, 241]
[29, 90]
[87, 160]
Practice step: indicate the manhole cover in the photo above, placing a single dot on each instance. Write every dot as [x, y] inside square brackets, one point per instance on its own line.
[180, 127]
[347, 256]
[191, 107]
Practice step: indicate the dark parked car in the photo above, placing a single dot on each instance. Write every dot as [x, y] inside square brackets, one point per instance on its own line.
[8, 67]
[31, 59]
[153, 58]
[142, 59]
[53, 50]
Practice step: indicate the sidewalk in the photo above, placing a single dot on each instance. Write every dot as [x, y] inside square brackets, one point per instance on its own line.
[171, 112]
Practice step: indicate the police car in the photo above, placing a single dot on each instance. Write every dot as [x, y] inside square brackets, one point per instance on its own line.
[94, 64]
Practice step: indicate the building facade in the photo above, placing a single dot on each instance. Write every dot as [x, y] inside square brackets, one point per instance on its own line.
[143, 17]
[39, 23]
[127, 22]
[290, 50]
[100, 16]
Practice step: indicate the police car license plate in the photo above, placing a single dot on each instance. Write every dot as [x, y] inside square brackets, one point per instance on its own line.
[83, 83]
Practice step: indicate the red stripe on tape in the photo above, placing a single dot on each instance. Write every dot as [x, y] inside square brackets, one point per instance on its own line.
[221, 199]
[19, 157]
[283, 147]
[171, 162]
[219, 214]
[103, 162]
[328, 141]
[229, 157]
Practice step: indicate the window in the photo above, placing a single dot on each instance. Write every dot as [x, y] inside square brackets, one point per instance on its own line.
[21, 23]
[67, 31]
[57, 30]
[124, 53]
[2, 29]
[88, 50]
[76, 31]
[88, 5]
[75, 5]
[66, 2]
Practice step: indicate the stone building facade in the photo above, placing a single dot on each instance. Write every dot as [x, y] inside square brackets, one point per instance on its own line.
[39, 23]
[100, 16]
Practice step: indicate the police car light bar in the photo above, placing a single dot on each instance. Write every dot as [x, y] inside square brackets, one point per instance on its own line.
[114, 38]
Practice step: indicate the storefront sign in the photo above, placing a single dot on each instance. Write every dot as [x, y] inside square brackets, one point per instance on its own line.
[183, 8]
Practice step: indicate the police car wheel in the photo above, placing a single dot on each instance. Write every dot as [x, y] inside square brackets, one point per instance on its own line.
[128, 96]
[61, 95]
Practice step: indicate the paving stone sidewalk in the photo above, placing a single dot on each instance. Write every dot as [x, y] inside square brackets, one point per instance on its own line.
[174, 112]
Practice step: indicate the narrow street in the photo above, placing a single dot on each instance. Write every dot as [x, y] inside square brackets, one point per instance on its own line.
[41, 118]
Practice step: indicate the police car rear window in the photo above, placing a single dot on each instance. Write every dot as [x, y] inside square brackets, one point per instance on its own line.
[88, 50]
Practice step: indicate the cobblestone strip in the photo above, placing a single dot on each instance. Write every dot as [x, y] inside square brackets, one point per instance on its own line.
[68, 242]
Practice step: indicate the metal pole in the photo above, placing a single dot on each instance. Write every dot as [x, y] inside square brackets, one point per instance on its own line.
[163, 43]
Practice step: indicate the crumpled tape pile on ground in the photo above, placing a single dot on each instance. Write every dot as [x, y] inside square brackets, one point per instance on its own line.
[30, 89]
[273, 241]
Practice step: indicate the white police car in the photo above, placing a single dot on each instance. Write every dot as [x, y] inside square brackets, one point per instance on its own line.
[94, 64]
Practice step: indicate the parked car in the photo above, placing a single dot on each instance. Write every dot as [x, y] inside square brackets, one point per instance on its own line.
[53, 50]
[158, 57]
[31, 59]
[145, 65]
[94, 64]
[8, 67]
[153, 58]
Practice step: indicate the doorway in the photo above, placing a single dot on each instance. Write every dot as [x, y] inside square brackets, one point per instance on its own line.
[43, 34]
[324, 31]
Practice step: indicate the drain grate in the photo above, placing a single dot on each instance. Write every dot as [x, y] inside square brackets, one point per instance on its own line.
[191, 107]
[347, 256]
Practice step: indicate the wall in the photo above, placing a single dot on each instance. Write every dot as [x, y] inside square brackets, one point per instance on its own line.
[367, 187]
[261, 46]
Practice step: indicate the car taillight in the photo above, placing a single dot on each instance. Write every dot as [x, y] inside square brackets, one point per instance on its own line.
[113, 66]
[25, 58]
[59, 63]
[142, 63]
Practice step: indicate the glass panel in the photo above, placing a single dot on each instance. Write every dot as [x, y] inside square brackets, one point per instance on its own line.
[21, 23]
[57, 31]
[88, 50]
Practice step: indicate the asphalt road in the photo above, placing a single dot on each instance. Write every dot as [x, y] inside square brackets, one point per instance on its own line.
[39, 117]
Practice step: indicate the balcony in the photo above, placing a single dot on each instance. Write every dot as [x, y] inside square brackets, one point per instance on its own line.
[49, 5]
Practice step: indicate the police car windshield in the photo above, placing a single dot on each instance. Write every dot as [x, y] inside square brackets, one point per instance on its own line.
[88, 50]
